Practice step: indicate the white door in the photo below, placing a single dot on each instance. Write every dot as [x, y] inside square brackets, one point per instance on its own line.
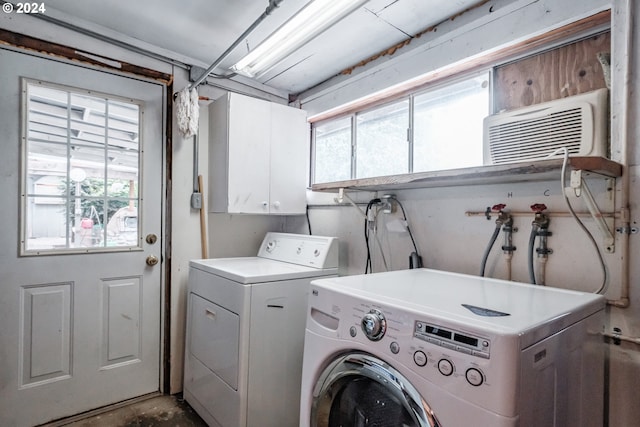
[81, 185]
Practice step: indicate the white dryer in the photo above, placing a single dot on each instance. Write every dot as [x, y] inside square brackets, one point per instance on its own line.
[420, 348]
[245, 330]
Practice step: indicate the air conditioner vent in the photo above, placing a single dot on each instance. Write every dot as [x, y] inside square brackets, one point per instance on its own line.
[579, 123]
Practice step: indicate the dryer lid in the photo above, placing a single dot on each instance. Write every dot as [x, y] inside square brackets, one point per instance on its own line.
[249, 270]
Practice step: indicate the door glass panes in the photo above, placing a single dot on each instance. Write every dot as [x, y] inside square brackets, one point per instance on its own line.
[382, 146]
[333, 151]
[82, 161]
[448, 125]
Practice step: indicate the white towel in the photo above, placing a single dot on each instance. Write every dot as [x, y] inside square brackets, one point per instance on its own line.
[187, 112]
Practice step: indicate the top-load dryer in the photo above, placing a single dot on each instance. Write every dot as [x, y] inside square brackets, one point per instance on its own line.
[245, 330]
[427, 348]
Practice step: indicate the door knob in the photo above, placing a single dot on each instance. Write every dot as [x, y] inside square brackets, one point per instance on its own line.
[152, 260]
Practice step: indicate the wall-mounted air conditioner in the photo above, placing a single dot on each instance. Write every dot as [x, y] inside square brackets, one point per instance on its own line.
[580, 123]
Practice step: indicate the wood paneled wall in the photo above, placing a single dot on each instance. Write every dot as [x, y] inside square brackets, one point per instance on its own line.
[558, 73]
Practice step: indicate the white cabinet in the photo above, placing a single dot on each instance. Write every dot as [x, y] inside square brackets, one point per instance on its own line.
[258, 157]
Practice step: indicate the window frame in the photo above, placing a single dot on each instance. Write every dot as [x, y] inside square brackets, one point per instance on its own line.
[410, 96]
[25, 195]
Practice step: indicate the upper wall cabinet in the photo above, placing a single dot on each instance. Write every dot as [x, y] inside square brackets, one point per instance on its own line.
[258, 157]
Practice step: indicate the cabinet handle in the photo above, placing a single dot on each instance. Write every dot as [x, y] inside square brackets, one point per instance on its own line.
[210, 313]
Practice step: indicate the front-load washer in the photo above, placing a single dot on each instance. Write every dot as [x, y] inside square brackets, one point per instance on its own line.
[245, 330]
[431, 348]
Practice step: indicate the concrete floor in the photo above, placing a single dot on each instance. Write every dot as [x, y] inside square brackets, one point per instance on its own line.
[160, 411]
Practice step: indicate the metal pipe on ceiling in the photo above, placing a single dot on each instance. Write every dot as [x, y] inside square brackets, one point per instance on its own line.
[273, 4]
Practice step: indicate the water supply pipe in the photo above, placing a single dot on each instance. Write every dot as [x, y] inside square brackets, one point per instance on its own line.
[502, 219]
[507, 247]
[539, 228]
[623, 18]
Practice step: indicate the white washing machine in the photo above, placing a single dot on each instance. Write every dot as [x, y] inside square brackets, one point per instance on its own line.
[245, 330]
[431, 348]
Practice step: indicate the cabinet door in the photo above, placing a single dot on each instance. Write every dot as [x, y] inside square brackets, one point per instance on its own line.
[249, 134]
[289, 160]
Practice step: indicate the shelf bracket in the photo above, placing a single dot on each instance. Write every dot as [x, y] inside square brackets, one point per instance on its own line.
[580, 188]
[342, 196]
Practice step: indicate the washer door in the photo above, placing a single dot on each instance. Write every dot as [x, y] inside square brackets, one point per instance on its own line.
[358, 389]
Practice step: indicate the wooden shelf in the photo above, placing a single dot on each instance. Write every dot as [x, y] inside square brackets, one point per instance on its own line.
[541, 170]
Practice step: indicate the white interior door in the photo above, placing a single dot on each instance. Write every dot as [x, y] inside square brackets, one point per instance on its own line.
[81, 183]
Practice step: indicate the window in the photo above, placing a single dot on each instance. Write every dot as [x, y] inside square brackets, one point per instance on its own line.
[81, 156]
[432, 130]
[381, 141]
[448, 125]
[333, 150]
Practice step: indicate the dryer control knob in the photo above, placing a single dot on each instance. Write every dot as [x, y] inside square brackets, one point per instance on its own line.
[374, 325]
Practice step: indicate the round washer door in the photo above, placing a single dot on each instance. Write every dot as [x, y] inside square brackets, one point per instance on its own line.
[358, 389]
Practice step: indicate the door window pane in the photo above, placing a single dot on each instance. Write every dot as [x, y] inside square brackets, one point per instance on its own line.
[333, 151]
[382, 146]
[448, 125]
[82, 155]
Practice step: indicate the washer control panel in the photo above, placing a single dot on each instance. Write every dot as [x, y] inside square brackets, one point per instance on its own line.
[452, 339]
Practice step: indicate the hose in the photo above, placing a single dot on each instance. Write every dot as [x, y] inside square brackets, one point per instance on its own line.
[532, 242]
[404, 215]
[367, 266]
[485, 256]
[605, 275]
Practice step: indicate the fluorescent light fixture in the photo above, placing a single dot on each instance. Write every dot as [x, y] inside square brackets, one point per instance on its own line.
[313, 19]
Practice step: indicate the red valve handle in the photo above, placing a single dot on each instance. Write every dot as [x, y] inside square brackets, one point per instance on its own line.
[538, 207]
[498, 207]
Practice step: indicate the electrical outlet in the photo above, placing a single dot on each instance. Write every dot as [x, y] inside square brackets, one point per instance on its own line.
[196, 200]
[387, 205]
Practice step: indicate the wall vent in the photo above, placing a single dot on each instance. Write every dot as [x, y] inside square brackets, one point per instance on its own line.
[579, 122]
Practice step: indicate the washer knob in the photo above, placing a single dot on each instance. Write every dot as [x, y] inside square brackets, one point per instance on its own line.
[374, 325]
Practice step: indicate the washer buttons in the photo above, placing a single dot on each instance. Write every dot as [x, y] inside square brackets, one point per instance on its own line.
[445, 367]
[474, 377]
[394, 347]
[353, 331]
[420, 358]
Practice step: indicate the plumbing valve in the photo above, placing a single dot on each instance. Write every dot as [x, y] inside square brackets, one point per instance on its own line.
[506, 221]
[538, 207]
[508, 230]
[541, 224]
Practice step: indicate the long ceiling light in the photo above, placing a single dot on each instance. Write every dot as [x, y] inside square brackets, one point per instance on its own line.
[313, 19]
